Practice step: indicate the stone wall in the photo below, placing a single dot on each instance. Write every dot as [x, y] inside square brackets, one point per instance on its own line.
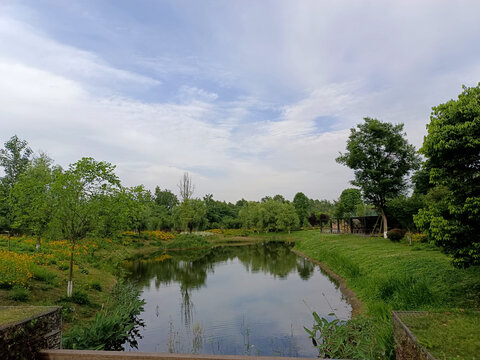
[23, 339]
[406, 344]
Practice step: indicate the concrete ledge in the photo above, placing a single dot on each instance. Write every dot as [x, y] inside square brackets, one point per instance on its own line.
[121, 355]
[406, 344]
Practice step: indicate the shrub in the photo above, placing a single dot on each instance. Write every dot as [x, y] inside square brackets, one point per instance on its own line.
[423, 238]
[395, 235]
[19, 294]
[77, 297]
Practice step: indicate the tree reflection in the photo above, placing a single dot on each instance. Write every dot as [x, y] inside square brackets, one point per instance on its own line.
[190, 268]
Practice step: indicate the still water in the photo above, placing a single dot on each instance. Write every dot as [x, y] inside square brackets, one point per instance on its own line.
[236, 300]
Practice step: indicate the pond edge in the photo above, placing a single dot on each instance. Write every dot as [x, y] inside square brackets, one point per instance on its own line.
[355, 303]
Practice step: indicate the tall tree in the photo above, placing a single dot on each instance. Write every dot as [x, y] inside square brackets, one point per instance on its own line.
[302, 206]
[14, 159]
[381, 158]
[32, 198]
[79, 196]
[452, 148]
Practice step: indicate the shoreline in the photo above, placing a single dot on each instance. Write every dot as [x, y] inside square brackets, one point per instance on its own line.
[355, 303]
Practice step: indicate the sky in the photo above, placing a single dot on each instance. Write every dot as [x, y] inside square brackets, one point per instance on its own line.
[251, 98]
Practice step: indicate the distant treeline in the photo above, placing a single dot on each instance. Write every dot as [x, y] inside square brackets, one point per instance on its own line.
[40, 198]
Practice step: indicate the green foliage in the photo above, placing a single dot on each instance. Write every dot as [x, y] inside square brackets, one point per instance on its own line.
[381, 159]
[406, 292]
[95, 284]
[184, 241]
[112, 327]
[190, 215]
[269, 215]
[19, 294]
[347, 204]
[32, 198]
[14, 159]
[395, 234]
[165, 198]
[44, 274]
[352, 339]
[403, 209]
[452, 148]
[78, 297]
[303, 207]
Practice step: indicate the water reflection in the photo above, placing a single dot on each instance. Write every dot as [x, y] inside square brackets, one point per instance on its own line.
[233, 300]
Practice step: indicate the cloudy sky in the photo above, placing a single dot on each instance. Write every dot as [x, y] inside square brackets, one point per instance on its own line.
[252, 98]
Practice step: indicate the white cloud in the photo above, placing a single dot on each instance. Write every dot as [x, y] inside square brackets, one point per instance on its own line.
[255, 131]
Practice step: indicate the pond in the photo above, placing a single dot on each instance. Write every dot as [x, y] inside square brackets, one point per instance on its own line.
[234, 300]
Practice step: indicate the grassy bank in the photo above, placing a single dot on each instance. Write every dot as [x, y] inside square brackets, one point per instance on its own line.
[390, 276]
[31, 277]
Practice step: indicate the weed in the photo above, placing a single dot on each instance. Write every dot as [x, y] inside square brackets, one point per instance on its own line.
[19, 294]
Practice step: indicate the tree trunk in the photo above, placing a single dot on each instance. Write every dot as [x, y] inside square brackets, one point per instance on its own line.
[70, 275]
[385, 227]
[37, 246]
[9, 241]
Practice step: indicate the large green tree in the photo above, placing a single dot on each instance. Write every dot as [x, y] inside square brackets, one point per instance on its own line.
[382, 159]
[14, 158]
[32, 199]
[80, 193]
[452, 148]
[303, 207]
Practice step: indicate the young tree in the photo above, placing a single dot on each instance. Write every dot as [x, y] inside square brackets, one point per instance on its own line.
[452, 148]
[79, 196]
[381, 158]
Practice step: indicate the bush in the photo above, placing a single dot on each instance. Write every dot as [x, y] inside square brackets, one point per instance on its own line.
[423, 238]
[395, 234]
[77, 297]
[19, 294]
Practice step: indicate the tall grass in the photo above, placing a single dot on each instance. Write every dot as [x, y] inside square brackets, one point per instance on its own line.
[390, 276]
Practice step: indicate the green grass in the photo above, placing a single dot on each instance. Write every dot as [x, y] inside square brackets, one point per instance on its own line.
[188, 241]
[12, 314]
[390, 276]
[447, 334]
